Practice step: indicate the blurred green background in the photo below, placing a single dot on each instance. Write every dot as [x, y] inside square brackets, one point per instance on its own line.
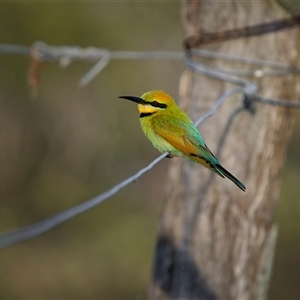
[72, 143]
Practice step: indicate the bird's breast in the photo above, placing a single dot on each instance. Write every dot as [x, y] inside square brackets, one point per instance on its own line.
[149, 127]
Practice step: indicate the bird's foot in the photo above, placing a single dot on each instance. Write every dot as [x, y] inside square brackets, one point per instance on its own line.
[170, 155]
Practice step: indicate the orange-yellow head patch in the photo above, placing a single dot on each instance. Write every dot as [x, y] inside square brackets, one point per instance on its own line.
[159, 96]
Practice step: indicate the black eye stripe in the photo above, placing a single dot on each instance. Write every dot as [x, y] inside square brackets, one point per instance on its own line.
[157, 104]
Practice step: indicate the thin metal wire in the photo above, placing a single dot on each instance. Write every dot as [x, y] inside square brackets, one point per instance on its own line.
[28, 232]
[248, 88]
[242, 59]
[18, 235]
[282, 103]
[66, 55]
[14, 49]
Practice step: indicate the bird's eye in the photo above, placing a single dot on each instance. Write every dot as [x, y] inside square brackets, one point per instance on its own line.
[157, 104]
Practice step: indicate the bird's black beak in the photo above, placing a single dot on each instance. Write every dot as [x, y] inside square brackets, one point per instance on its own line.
[134, 99]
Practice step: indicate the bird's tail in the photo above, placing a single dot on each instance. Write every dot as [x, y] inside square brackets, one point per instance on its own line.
[225, 173]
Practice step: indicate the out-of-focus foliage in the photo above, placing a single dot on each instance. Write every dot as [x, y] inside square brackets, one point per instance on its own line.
[73, 143]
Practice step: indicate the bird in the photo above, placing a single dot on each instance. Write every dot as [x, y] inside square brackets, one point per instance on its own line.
[171, 130]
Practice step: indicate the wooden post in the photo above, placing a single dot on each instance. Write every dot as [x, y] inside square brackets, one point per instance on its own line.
[215, 241]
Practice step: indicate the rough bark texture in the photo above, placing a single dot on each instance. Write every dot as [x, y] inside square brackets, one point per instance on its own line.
[215, 241]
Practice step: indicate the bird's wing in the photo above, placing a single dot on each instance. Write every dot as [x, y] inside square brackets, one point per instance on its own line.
[185, 137]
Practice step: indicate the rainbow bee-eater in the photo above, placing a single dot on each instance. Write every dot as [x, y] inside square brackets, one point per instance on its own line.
[171, 130]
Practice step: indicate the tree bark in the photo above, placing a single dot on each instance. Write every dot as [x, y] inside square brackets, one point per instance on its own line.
[214, 241]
